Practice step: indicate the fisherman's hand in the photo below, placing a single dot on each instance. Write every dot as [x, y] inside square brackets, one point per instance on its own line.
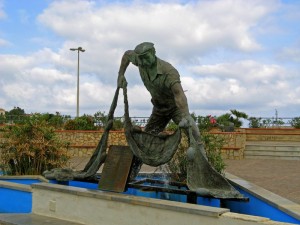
[122, 81]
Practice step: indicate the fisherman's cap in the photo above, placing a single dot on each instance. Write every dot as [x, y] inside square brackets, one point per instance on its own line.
[143, 48]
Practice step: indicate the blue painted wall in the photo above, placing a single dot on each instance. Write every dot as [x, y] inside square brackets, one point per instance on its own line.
[257, 207]
[14, 201]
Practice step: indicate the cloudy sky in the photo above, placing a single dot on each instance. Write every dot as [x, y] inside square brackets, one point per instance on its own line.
[231, 54]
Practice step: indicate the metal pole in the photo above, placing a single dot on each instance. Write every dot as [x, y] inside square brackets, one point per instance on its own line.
[77, 111]
[78, 50]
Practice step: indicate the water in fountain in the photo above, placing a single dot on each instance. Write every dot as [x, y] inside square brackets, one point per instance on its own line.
[164, 172]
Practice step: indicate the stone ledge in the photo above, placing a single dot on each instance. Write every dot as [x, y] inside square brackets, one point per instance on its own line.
[283, 204]
[256, 219]
[22, 177]
[129, 199]
[245, 217]
[15, 186]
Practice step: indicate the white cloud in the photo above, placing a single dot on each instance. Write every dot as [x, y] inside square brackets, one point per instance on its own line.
[32, 81]
[47, 76]
[215, 44]
[246, 71]
[242, 85]
[181, 32]
[189, 29]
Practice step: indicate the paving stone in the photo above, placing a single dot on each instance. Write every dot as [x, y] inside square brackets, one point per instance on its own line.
[281, 177]
[31, 219]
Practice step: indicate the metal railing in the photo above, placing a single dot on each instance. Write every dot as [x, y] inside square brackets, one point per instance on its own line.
[269, 122]
[142, 121]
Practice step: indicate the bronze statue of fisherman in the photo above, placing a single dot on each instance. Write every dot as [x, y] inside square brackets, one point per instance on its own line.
[148, 146]
[162, 80]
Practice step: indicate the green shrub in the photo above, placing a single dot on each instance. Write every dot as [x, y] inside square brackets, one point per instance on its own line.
[177, 165]
[31, 148]
[2, 119]
[225, 120]
[56, 120]
[213, 145]
[204, 122]
[84, 122]
[101, 119]
[172, 126]
[118, 124]
[295, 122]
[255, 122]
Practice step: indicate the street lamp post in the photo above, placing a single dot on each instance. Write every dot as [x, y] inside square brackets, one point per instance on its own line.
[79, 49]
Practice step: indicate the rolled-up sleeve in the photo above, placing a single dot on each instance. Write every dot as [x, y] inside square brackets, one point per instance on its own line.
[132, 56]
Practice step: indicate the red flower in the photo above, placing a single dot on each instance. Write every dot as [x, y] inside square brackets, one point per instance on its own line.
[212, 120]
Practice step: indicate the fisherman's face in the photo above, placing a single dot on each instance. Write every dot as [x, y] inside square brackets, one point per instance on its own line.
[147, 60]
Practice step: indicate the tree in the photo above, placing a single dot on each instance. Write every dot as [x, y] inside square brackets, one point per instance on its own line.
[16, 115]
[2, 119]
[237, 122]
[295, 122]
[16, 111]
[255, 122]
[225, 120]
[232, 119]
[100, 119]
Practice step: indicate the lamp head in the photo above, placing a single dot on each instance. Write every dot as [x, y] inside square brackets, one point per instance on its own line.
[81, 49]
[78, 49]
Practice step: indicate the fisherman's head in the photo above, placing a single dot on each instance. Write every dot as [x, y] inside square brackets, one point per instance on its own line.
[146, 54]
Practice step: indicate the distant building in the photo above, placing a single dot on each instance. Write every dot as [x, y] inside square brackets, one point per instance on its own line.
[2, 111]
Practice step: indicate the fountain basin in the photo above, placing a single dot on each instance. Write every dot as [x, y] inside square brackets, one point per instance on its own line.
[80, 201]
[16, 193]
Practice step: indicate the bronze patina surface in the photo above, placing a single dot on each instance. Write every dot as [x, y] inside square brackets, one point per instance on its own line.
[116, 169]
[169, 102]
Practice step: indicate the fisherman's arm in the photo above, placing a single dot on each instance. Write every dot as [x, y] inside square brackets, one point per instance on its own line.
[126, 59]
[180, 99]
[181, 103]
